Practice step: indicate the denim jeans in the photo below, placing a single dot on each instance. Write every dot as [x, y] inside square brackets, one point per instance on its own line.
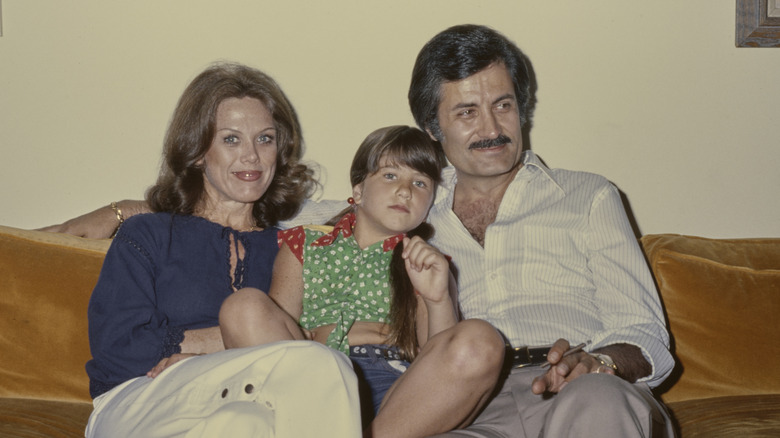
[376, 373]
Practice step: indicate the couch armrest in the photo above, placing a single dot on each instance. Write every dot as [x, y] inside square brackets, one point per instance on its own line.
[45, 283]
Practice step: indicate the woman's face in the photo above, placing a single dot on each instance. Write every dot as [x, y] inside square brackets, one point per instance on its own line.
[241, 161]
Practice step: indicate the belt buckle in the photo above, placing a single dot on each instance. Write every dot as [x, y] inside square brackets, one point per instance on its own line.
[526, 356]
[521, 356]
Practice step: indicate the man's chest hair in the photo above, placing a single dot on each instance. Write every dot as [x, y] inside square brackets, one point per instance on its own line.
[476, 216]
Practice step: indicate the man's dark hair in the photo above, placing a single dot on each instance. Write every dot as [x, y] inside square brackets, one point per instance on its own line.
[457, 53]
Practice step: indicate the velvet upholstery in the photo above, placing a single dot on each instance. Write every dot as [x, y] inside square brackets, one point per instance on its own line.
[27, 417]
[720, 297]
[45, 283]
[722, 300]
[742, 416]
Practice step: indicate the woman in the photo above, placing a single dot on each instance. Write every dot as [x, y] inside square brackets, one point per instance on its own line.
[231, 170]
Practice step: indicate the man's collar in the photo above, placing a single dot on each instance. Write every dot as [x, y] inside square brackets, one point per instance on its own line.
[532, 163]
[531, 166]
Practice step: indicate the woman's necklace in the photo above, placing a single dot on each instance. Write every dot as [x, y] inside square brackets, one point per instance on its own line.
[210, 218]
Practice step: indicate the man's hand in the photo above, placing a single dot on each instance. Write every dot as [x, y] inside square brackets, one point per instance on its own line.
[167, 362]
[564, 369]
[628, 358]
[98, 224]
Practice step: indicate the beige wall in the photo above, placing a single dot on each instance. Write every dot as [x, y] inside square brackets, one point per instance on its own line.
[652, 94]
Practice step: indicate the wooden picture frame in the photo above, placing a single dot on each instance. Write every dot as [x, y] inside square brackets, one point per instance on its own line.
[758, 23]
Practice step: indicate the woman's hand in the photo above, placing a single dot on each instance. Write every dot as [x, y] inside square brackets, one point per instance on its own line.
[167, 362]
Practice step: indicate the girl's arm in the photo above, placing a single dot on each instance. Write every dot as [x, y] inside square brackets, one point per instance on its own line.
[429, 272]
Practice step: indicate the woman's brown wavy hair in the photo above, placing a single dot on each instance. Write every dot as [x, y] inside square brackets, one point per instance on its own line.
[180, 187]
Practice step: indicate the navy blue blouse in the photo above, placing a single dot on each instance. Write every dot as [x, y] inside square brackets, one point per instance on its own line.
[162, 275]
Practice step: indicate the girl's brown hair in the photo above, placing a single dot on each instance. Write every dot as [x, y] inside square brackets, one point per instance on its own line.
[407, 146]
[180, 186]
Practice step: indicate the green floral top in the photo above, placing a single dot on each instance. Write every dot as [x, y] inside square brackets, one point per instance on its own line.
[341, 282]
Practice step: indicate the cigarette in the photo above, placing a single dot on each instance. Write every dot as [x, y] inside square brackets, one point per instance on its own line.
[571, 350]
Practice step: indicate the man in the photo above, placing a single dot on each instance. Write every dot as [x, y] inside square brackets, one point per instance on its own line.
[542, 254]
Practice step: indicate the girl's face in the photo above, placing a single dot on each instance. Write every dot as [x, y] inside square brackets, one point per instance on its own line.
[241, 161]
[393, 200]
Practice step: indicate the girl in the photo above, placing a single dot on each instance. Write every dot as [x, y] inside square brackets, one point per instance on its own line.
[370, 286]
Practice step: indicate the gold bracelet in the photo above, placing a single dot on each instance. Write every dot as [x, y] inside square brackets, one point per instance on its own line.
[118, 212]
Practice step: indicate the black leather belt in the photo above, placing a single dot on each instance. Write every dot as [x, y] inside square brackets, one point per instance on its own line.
[518, 357]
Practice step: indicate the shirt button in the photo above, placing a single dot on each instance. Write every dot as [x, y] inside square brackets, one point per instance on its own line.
[224, 393]
[249, 388]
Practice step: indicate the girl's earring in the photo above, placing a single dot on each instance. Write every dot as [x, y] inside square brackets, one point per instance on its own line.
[351, 200]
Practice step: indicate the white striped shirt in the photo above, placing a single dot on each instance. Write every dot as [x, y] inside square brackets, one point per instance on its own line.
[560, 261]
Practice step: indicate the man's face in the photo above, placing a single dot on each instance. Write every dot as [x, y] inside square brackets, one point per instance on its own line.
[480, 124]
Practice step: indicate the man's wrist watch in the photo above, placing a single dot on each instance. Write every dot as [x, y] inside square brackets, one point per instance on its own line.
[606, 361]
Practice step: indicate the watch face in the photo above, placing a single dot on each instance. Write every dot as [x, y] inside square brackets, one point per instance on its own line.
[606, 360]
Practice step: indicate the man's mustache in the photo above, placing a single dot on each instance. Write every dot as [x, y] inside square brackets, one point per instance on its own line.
[490, 142]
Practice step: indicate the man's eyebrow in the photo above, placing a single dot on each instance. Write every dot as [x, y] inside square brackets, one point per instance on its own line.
[505, 97]
[472, 105]
[463, 105]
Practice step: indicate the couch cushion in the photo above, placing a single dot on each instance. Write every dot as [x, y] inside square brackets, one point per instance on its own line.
[744, 416]
[722, 299]
[43, 418]
[45, 283]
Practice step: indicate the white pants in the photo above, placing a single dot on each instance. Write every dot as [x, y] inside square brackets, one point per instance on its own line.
[284, 389]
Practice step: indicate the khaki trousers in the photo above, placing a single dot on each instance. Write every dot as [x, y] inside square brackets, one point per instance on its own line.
[285, 389]
[594, 405]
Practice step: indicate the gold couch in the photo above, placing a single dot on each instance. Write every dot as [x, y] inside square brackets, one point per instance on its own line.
[721, 297]
[722, 301]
